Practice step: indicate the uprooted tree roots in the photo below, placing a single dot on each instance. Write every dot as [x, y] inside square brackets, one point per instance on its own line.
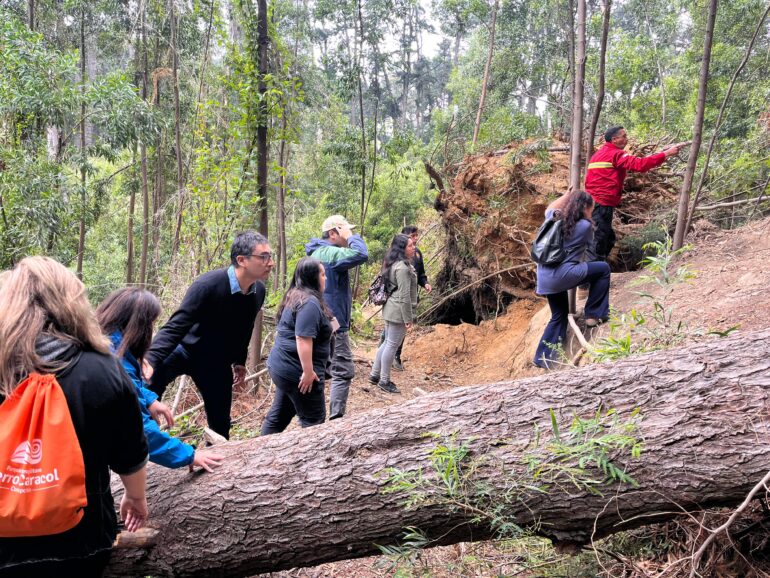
[494, 205]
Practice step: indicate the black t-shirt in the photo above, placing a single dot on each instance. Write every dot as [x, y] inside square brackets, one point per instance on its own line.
[108, 423]
[308, 320]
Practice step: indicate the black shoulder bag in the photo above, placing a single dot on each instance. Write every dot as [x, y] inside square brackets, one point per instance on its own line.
[548, 246]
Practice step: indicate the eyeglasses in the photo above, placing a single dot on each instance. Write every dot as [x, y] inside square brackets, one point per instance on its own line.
[264, 256]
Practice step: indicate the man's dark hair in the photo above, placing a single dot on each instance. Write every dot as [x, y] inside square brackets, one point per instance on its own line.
[244, 244]
[612, 132]
[325, 235]
[409, 229]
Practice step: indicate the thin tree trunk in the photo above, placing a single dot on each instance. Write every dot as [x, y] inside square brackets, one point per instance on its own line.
[174, 16]
[602, 68]
[316, 495]
[280, 205]
[362, 120]
[262, 148]
[718, 125]
[487, 67]
[83, 196]
[576, 138]
[204, 62]
[143, 159]
[692, 161]
[263, 40]
[31, 14]
[659, 66]
[130, 235]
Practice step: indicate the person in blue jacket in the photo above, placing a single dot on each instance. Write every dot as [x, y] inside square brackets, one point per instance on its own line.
[127, 316]
[340, 251]
[575, 210]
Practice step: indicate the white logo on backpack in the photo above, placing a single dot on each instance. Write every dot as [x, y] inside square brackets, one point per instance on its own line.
[28, 453]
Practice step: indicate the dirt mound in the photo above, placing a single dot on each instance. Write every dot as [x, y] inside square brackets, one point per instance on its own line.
[494, 205]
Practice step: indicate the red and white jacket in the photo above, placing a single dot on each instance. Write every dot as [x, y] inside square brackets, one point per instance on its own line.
[607, 171]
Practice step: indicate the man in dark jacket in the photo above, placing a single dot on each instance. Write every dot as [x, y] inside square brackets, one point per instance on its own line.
[606, 172]
[339, 250]
[208, 337]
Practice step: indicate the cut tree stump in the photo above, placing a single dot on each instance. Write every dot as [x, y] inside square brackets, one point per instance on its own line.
[315, 495]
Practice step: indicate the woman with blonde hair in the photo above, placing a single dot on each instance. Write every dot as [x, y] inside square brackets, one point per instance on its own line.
[47, 326]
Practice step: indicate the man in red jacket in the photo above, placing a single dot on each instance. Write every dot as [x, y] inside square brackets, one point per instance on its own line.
[604, 181]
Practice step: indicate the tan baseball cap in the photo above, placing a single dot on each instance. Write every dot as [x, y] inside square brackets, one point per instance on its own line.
[335, 222]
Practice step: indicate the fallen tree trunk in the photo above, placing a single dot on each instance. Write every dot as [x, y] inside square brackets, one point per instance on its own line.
[311, 496]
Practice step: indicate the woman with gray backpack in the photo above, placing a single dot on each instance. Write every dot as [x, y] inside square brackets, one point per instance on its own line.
[554, 279]
[399, 310]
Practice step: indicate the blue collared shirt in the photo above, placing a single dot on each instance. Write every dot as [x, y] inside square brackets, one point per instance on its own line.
[235, 287]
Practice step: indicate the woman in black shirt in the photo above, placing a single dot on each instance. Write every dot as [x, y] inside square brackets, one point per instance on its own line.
[301, 350]
[48, 326]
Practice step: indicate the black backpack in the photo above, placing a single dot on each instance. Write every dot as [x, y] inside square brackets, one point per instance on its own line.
[548, 246]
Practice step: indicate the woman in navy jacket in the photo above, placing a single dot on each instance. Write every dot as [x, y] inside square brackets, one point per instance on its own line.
[575, 210]
[127, 316]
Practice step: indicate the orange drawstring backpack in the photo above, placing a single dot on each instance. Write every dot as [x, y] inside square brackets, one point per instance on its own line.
[42, 474]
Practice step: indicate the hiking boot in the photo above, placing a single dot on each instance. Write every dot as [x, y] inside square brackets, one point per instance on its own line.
[390, 387]
[397, 365]
[374, 379]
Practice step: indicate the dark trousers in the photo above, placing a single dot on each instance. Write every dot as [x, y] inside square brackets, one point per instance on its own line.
[91, 567]
[597, 307]
[604, 235]
[213, 379]
[309, 407]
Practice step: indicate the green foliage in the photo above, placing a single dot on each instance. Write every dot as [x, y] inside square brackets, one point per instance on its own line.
[186, 430]
[585, 456]
[637, 331]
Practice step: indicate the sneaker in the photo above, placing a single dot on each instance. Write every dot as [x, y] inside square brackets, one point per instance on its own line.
[397, 365]
[374, 379]
[390, 387]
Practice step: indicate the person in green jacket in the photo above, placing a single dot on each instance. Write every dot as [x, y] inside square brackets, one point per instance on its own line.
[399, 310]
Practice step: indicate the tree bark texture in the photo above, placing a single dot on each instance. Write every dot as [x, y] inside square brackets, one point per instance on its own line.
[314, 495]
[697, 130]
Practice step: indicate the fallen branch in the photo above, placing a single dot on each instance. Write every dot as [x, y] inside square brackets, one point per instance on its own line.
[734, 516]
[579, 334]
[471, 284]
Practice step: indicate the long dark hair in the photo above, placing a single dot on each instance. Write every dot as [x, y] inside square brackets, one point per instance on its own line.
[132, 311]
[396, 253]
[573, 211]
[305, 282]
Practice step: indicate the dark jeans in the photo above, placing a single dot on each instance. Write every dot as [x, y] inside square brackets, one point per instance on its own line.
[213, 379]
[343, 371]
[604, 235]
[597, 307]
[309, 407]
[91, 567]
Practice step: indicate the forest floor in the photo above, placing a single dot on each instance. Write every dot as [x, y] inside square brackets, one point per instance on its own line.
[729, 289]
